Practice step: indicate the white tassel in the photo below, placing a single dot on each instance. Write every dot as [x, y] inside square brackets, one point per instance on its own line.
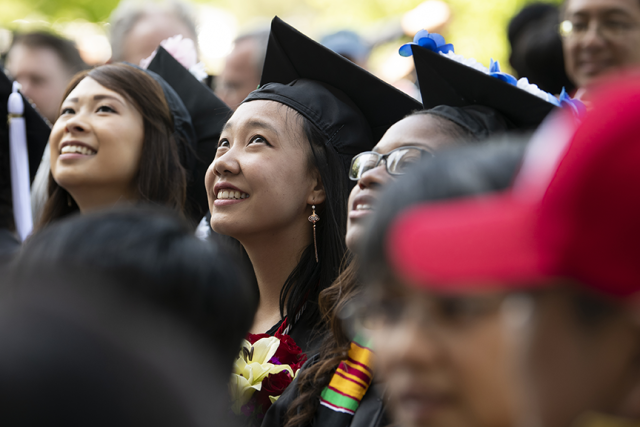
[20, 180]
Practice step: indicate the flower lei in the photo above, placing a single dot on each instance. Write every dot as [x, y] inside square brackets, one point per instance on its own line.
[436, 43]
[264, 368]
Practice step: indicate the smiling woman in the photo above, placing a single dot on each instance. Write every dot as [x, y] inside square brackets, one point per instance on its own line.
[113, 142]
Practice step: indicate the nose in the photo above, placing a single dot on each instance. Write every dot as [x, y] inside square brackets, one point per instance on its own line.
[226, 164]
[76, 124]
[593, 36]
[375, 177]
[409, 346]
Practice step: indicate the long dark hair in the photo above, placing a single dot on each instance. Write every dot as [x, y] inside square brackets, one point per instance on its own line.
[161, 179]
[309, 277]
[459, 171]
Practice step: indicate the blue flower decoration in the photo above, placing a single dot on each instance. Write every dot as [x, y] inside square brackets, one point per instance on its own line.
[434, 42]
[575, 105]
[494, 71]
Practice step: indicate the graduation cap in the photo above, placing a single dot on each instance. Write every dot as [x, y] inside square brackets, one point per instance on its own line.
[349, 105]
[444, 81]
[29, 154]
[207, 115]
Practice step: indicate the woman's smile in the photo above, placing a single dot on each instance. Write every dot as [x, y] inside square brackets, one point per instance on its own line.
[75, 150]
[226, 194]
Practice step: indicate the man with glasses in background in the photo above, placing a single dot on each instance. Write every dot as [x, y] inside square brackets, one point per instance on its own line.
[600, 37]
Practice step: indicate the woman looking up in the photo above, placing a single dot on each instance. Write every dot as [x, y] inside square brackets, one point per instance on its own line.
[282, 158]
[125, 135]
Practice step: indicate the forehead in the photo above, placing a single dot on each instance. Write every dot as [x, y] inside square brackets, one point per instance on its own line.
[46, 60]
[88, 87]
[602, 6]
[278, 116]
[421, 130]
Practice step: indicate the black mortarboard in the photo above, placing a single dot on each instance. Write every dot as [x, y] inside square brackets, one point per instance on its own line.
[208, 114]
[37, 136]
[350, 106]
[444, 81]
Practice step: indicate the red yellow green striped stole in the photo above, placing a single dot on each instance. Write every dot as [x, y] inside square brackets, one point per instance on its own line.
[351, 380]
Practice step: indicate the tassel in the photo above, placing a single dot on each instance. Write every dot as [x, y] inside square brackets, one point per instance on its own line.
[19, 156]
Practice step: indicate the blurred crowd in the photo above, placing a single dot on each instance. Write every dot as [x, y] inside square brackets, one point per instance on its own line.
[297, 242]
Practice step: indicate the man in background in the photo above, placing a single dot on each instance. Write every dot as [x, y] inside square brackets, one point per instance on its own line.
[600, 37]
[137, 28]
[243, 68]
[43, 64]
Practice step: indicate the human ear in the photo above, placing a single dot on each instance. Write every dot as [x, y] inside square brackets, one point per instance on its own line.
[317, 194]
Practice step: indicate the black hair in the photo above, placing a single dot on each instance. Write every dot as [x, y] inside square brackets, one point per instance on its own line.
[448, 127]
[460, 171]
[65, 49]
[155, 255]
[309, 277]
[76, 349]
[536, 47]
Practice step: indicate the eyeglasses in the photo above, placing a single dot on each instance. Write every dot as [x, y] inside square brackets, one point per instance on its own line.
[608, 29]
[396, 161]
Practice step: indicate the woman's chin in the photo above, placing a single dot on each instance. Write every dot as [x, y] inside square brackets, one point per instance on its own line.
[353, 237]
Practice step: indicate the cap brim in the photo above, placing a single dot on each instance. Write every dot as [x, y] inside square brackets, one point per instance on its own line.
[291, 55]
[468, 245]
[444, 81]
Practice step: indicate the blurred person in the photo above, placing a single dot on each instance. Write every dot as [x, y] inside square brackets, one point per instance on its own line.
[600, 38]
[350, 45]
[153, 255]
[43, 64]
[138, 27]
[439, 358]
[78, 348]
[242, 69]
[318, 396]
[562, 243]
[536, 47]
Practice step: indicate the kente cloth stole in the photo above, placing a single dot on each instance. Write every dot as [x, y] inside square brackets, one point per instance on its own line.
[351, 380]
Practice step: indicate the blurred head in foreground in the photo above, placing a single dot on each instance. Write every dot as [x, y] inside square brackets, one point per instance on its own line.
[568, 246]
[154, 256]
[436, 353]
[76, 350]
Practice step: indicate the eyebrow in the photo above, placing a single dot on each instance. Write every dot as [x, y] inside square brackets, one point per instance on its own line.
[96, 98]
[253, 123]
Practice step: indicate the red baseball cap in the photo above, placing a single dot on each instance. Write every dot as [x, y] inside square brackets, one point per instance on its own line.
[575, 218]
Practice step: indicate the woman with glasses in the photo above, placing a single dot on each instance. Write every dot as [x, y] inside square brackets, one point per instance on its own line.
[441, 357]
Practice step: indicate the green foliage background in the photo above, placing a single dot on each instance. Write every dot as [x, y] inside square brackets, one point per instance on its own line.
[477, 27]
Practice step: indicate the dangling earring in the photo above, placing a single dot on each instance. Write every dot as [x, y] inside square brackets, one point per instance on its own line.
[313, 219]
[68, 200]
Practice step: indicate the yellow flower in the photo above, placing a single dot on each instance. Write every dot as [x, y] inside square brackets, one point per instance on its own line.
[250, 369]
